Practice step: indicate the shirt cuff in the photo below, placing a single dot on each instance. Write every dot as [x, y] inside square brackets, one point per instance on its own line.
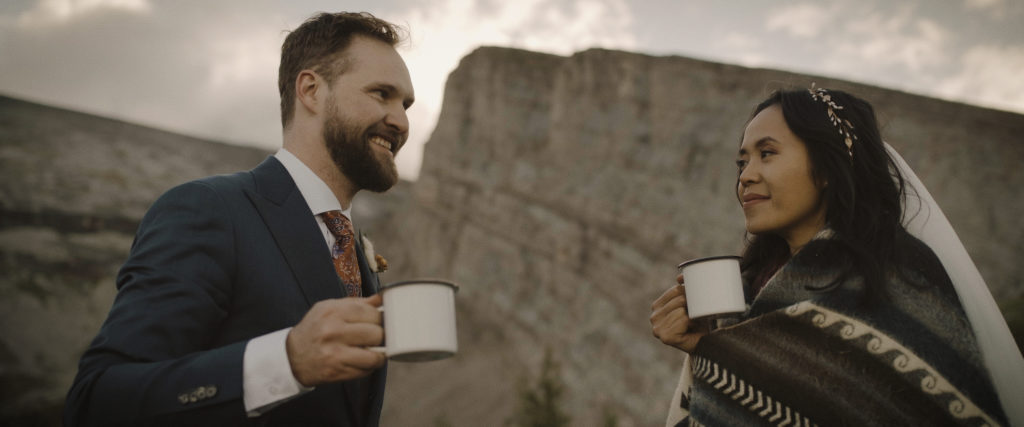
[267, 379]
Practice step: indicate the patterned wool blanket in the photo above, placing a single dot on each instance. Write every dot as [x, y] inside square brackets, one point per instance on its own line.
[806, 356]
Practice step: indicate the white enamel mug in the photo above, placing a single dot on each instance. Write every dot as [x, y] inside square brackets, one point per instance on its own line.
[419, 320]
[714, 286]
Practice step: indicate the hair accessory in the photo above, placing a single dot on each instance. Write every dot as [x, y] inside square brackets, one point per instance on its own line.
[844, 126]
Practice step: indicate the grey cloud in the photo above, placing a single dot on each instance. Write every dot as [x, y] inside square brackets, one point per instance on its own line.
[155, 68]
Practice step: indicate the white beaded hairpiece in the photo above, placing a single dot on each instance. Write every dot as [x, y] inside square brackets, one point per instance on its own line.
[844, 126]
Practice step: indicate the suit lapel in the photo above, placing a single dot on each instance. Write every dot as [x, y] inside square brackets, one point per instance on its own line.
[375, 382]
[295, 231]
[298, 236]
[371, 284]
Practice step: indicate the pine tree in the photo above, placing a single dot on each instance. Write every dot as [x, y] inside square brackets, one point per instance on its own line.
[539, 403]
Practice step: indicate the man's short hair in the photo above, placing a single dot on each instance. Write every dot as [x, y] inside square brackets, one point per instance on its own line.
[319, 44]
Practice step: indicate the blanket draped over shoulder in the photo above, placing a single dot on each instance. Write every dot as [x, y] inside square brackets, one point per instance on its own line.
[812, 351]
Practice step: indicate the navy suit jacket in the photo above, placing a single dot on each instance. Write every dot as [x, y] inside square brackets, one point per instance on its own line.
[215, 263]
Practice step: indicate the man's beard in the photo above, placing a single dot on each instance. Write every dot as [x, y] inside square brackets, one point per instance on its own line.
[351, 152]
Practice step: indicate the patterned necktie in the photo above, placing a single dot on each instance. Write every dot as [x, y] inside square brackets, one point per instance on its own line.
[344, 252]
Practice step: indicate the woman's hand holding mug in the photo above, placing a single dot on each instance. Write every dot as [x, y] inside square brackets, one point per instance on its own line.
[671, 323]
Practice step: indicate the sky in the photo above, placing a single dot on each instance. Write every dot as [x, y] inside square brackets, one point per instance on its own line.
[208, 68]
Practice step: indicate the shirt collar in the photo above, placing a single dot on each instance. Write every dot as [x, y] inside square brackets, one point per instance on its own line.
[313, 189]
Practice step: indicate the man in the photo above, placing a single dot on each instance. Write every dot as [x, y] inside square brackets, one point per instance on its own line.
[239, 305]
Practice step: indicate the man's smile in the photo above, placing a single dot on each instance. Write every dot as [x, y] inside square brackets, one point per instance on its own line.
[382, 142]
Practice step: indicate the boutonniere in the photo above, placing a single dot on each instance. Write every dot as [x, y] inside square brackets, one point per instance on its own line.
[377, 263]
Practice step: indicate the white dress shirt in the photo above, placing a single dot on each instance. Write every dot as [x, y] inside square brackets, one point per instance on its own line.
[267, 379]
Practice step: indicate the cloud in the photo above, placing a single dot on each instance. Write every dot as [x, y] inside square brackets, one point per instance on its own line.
[744, 49]
[900, 46]
[906, 50]
[851, 36]
[243, 60]
[890, 45]
[998, 11]
[59, 11]
[989, 75]
[895, 45]
[983, 4]
[893, 39]
[207, 71]
[807, 20]
[445, 31]
[210, 68]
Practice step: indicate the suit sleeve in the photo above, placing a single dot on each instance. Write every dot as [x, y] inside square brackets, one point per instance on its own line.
[153, 361]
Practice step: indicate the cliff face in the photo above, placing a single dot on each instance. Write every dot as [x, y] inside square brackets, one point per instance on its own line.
[74, 188]
[559, 192]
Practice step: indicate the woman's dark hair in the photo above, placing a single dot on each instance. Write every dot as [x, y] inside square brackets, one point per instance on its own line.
[863, 194]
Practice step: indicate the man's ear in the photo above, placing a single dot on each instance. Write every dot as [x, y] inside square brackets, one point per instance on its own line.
[308, 85]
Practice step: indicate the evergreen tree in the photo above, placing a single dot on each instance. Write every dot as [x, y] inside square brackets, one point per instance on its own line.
[539, 403]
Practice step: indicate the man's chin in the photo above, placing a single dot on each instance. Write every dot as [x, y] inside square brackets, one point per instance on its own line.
[382, 185]
[384, 178]
[389, 169]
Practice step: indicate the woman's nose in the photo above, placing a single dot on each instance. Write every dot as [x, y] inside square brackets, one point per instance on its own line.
[749, 174]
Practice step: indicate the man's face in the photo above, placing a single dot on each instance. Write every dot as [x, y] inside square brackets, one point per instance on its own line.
[366, 124]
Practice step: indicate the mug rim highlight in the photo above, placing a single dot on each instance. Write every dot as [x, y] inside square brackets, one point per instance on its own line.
[710, 258]
[420, 282]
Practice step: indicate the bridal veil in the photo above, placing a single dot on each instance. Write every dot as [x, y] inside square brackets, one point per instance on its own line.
[925, 220]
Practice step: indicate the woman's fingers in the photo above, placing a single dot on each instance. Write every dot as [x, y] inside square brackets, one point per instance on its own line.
[670, 294]
[670, 321]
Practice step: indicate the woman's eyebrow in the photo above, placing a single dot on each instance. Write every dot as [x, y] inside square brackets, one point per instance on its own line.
[759, 144]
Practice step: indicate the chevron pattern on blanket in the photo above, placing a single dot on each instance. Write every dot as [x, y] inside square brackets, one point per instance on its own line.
[746, 395]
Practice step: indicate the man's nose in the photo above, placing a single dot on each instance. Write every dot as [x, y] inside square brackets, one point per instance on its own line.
[397, 118]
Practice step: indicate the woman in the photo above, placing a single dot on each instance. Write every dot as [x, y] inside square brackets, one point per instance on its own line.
[855, 321]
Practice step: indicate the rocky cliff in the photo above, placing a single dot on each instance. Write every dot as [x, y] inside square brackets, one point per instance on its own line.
[73, 189]
[559, 192]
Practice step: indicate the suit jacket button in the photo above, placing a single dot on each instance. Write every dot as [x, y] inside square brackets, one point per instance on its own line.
[211, 390]
[192, 397]
[183, 398]
[201, 393]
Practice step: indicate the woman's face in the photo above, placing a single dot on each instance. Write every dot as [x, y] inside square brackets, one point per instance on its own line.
[775, 187]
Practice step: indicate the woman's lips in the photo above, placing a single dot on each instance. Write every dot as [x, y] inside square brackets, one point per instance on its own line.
[751, 199]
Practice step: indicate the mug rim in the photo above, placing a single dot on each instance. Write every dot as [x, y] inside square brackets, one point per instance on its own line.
[420, 281]
[710, 258]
